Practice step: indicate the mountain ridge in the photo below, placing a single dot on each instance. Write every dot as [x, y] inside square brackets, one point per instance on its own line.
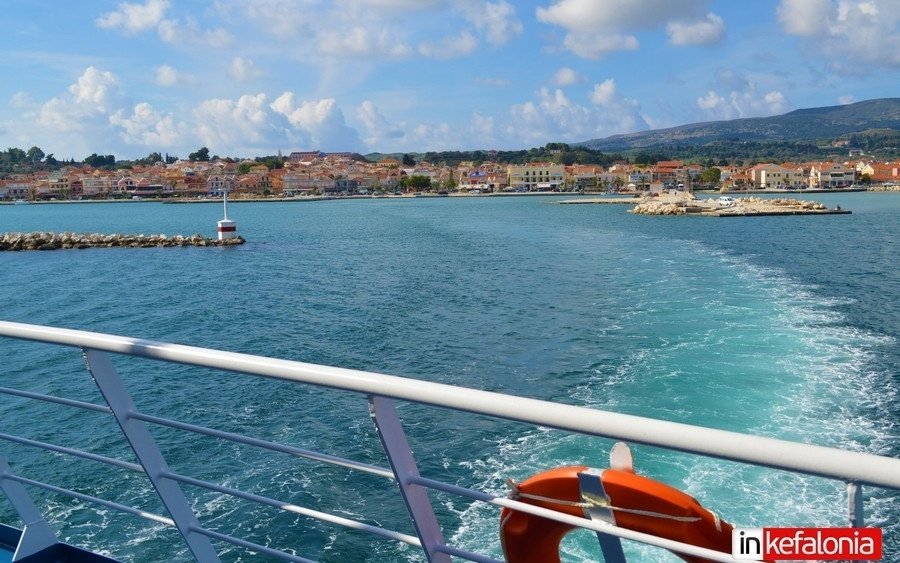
[807, 124]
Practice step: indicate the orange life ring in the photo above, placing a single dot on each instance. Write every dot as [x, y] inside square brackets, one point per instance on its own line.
[634, 502]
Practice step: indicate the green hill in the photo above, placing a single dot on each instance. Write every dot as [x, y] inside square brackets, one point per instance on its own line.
[872, 125]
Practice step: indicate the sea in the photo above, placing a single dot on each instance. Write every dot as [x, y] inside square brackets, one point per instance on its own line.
[776, 326]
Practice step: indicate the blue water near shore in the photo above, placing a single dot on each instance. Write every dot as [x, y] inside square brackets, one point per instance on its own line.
[781, 326]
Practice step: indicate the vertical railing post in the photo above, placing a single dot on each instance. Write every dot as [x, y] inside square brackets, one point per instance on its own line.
[400, 456]
[148, 454]
[36, 534]
[855, 505]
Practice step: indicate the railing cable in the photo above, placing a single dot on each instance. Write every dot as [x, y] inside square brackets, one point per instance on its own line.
[274, 446]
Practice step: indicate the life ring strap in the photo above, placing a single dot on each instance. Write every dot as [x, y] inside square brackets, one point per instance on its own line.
[593, 501]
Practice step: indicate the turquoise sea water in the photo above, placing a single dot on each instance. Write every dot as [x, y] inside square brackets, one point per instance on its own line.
[783, 326]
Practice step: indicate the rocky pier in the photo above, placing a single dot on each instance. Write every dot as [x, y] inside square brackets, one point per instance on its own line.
[59, 241]
[740, 207]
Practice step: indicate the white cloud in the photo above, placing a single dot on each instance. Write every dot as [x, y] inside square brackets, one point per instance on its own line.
[555, 116]
[745, 102]
[707, 31]
[853, 36]
[344, 30]
[450, 47]
[21, 100]
[377, 131]
[135, 18]
[83, 106]
[322, 120]
[176, 33]
[232, 123]
[94, 88]
[56, 114]
[244, 70]
[401, 5]
[736, 95]
[712, 101]
[597, 46]
[147, 127]
[285, 19]
[567, 77]
[590, 15]
[848, 99]
[484, 127]
[776, 101]
[166, 75]
[596, 29]
[361, 42]
[807, 18]
[76, 121]
[604, 93]
[496, 21]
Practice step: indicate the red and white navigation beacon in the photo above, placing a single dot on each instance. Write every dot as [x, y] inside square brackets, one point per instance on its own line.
[226, 227]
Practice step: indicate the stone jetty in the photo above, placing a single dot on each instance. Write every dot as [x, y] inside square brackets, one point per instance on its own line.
[67, 240]
[739, 207]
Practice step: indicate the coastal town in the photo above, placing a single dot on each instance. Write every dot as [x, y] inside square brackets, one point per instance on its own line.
[315, 173]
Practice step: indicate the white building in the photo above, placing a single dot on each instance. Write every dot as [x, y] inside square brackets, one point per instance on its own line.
[776, 176]
[537, 176]
[831, 175]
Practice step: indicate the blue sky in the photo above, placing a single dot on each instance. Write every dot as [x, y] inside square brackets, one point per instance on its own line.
[252, 77]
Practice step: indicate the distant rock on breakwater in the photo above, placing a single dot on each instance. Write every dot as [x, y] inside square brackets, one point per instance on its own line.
[56, 241]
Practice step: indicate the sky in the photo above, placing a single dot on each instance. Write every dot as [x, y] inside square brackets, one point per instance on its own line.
[253, 77]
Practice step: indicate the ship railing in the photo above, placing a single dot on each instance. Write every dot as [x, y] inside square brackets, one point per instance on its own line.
[856, 469]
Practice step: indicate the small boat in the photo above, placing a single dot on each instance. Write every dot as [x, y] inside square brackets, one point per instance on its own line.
[21, 202]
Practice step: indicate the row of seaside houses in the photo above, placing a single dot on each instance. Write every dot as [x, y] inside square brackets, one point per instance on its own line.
[314, 172]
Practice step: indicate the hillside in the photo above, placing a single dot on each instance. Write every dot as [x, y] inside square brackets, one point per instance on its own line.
[877, 122]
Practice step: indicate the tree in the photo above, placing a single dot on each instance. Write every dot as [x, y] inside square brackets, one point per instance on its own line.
[98, 161]
[153, 158]
[449, 182]
[35, 155]
[244, 167]
[711, 176]
[16, 155]
[408, 160]
[201, 155]
[416, 182]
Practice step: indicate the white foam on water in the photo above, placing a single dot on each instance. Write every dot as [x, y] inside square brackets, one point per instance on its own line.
[799, 372]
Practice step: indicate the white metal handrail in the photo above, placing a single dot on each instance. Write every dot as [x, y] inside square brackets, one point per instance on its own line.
[863, 468]
[854, 468]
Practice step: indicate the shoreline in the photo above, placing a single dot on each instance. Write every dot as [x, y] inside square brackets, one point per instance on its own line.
[624, 196]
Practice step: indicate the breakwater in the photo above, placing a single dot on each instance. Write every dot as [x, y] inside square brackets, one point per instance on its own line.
[740, 207]
[67, 240]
